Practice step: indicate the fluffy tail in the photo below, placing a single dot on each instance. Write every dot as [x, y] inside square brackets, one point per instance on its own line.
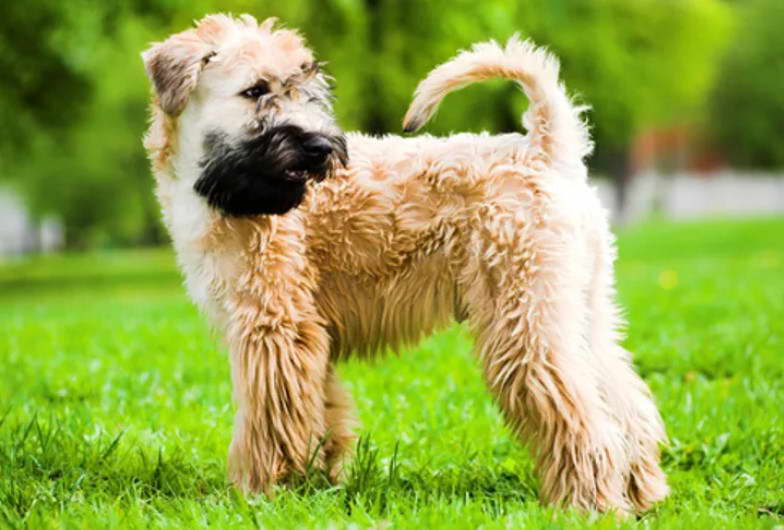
[555, 127]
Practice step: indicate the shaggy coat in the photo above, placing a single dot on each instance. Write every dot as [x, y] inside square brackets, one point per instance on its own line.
[502, 232]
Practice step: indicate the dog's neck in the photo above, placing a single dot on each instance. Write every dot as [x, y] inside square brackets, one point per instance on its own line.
[255, 236]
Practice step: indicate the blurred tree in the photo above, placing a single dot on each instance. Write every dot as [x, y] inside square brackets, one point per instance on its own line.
[747, 103]
[74, 151]
[39, 89]
[640, 64]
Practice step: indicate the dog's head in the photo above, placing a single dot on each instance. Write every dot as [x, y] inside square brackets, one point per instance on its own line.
[253, 113]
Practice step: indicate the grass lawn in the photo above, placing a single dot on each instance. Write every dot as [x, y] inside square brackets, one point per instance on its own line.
[115, 403]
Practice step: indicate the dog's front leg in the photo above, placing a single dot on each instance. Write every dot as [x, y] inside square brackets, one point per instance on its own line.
[279, 355]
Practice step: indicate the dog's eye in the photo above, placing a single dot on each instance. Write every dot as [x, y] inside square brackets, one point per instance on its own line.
[256, 91]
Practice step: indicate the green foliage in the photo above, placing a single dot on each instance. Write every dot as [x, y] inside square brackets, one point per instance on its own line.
[747, 118]
[116, 405]
[75, 101]
[26, 89]
[637, 63]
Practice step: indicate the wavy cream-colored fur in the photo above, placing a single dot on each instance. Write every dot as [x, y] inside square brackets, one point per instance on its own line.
[555, 126]
[502, 232]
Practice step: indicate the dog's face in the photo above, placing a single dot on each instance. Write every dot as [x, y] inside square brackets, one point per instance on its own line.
[253, 110]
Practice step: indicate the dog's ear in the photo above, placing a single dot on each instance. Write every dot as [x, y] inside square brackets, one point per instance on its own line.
[173, 67]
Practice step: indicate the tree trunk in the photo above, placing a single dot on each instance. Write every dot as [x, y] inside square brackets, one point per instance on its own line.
[617, 164]
[374, 122]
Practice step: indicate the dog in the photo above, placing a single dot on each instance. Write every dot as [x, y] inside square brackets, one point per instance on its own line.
[304, 244]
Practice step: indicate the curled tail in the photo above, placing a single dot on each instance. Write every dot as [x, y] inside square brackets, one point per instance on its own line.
[555, 127]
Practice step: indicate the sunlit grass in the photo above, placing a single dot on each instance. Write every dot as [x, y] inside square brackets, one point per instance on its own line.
[115, 401]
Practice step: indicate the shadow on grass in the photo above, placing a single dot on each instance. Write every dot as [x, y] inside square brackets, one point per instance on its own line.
[89, 282]
[58, 273]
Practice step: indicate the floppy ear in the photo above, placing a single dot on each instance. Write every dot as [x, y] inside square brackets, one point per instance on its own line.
[173, 67]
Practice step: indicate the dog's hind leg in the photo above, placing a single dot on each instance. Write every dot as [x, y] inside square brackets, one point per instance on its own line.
[340, 424]
[523, 286]
[624, 390]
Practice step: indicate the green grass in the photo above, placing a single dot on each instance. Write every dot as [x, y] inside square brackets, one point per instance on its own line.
[115, 401]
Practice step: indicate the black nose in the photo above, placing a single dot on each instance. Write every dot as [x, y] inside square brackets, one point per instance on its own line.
[317, 148]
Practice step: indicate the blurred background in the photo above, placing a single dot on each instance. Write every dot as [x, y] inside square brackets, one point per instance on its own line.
[687, 98]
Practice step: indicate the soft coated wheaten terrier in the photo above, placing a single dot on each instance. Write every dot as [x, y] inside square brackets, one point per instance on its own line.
[304, 244]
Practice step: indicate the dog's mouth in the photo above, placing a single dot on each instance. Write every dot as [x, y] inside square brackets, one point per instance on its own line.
[318, 157]
[266, 174]
[295, 175]
[300, 174]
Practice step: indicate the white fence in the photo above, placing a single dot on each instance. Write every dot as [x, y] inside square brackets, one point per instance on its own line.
[691, 196]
